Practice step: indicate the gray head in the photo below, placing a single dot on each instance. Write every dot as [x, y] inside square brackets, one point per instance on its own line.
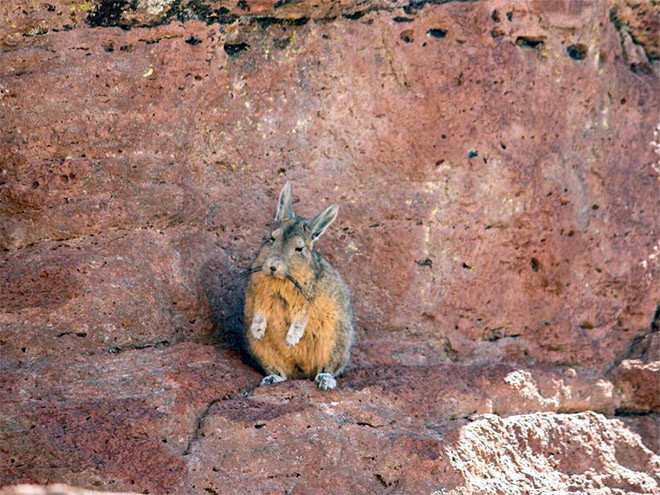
[289, 247]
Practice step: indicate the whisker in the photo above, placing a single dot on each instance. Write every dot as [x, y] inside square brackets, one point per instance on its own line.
[302, 290]
[248, 272]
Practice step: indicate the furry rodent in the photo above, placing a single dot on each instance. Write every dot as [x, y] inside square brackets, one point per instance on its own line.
[298, 313]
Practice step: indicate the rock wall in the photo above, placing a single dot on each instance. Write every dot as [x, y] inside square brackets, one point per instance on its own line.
[497, 167]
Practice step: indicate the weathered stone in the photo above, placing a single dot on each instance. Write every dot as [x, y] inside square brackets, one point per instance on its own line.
[57, 489]
[327, 449]
[496, 166]
[523, 251]
[187, 417]
[642, 20]
[640, 385]
[117, 420]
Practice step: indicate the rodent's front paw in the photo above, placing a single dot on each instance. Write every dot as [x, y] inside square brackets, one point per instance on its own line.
[258, 327]
[295, 333]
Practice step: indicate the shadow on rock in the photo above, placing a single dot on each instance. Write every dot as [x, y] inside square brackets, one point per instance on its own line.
[223, 285]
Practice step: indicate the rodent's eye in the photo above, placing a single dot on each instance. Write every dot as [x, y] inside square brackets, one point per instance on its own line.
[272, 239]
[299, 249]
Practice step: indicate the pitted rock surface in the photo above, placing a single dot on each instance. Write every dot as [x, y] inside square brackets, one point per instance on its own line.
[497, 167]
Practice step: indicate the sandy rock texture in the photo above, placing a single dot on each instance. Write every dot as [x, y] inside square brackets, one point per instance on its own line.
[497, 167]
[56, 489]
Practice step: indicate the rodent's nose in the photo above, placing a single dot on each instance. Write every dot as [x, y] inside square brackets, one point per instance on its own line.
[273, 268]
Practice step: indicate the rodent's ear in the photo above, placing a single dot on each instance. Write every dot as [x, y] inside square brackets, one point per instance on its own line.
[322, 221]
[285, 205]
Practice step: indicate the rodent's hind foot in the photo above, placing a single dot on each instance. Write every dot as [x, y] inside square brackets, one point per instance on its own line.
[326, 381]
[270, 379]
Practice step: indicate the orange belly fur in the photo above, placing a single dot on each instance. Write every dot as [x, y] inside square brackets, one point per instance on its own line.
[278, 300]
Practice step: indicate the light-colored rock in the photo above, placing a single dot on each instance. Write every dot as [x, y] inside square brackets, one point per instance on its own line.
[552, 453]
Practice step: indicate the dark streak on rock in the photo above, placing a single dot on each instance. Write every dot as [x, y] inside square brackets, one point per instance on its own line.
[110, 13]
[77, 334]
[627, 413]
[356, 15]
[655, 321]
[235, 49]
[282, 3]
[414, 6]
[107, 13]
[266, 21]
[155, 345]
[199, 425]
[529, 42]
[281, 44]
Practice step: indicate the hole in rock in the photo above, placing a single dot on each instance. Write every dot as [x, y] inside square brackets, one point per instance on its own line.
[577, 52]
[529, 43]
[235, 49]
[407, 36]
[437, 33]
[355, 15]
[534, 264]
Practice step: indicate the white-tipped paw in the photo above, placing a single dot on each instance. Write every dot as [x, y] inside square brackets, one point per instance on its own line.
[295, 333]
[326, 381]
[258, 327]
[270, 379]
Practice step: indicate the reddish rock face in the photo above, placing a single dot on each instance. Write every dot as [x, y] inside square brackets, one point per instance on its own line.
[185, 419]
[56, 489]
[497, 169]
